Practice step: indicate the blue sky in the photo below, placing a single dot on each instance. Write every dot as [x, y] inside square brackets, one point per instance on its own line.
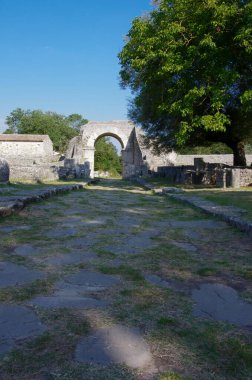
[61, 55]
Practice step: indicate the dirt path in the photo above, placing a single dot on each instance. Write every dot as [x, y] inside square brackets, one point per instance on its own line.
[113, 282]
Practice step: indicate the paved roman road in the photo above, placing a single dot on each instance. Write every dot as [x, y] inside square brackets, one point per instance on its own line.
[103, 283]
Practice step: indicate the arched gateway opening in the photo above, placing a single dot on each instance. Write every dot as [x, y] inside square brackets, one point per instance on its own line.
[125, 133]
[107, 157]
[82, 148]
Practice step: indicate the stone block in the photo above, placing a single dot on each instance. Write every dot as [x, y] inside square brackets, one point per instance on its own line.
[4, 170]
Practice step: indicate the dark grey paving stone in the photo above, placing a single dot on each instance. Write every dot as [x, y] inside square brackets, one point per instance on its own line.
[47, 206]
[156, 280]
[72, 211]
[205, 224]
[72, 301]
[61, 232]
[89, 281]
[7, 189]
[194, 235]
[221, 302]
[16, 323]
[130, 245]
[186, 246]
[13, 274]
[14, 228]
[71, 258]
[115, 345]
[26, 250]
[82, 243]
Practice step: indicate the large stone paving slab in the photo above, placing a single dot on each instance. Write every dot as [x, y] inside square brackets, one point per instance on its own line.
[115, 345]
[27, 250]
[183, 245]
[69, 259]
[72, 291]
[132, 244]
[205, 224]
[13, 275]
[82, 243]
[61, 232]
[156, 280]
[220, 302]
[17, 323]
[13, 228]
[88, 281]
[71, 301]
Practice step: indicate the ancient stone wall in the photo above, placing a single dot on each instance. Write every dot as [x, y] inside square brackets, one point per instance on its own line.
[211, 174]
[16, 147]
[4, 171]
[34, 173]
[30, 157]
[188, 159]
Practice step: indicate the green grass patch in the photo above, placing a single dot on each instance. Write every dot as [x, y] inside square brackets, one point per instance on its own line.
[126, 271]
[171, 376]
[26, 292]
[207, 272]
[241, 198]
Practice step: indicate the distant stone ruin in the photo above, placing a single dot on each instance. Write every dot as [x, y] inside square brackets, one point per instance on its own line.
[29, 157]
[137, 160]
[201, 172]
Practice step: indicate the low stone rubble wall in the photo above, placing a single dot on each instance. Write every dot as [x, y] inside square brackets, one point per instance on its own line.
[208, 174]
[34, 173]
[12, 204]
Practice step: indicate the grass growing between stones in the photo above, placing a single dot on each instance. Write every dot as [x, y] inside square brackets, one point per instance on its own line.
[126, 271]
[241, 198]
[183, 347]
[26, 292]
[52, 349]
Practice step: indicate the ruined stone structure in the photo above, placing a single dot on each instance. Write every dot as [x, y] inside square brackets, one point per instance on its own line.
[136, 158]
[26, 147]
[29, 157]
[208, 173]
[4, 171]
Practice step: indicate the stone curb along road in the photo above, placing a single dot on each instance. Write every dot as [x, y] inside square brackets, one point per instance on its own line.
[229, 214]
[15, 203]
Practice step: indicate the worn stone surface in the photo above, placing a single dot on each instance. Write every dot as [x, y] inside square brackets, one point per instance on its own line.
[197, 224]
[11, 204]
[228, 214]
[89, 281]
[107, 221]
[4, 170]
[115, 344]
[71, 301]
[221, 302]
[17, 323]
[185, 246]
[66, 259]
[72, 291]
[26, 250]
[156, 280]
[13, 274]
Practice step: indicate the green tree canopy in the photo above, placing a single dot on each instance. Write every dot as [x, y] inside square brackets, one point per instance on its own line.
[59, 128]
[106, 157]
[189, 65]
[76, 120]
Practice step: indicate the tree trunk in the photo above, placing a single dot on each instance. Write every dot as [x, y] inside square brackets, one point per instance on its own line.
[239, 154]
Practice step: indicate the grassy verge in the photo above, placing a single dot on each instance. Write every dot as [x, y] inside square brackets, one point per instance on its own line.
[241, 198]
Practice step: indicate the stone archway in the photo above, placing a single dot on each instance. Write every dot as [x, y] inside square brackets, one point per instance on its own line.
[137, 160]
[124, 131]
